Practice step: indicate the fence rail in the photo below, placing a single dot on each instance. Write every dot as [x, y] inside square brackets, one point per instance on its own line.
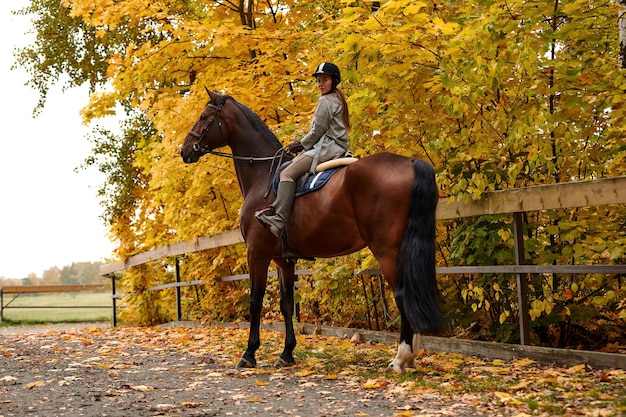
[17, 290]
[599, 192]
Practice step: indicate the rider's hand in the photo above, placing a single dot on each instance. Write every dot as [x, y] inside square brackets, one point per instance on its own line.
[295, 146]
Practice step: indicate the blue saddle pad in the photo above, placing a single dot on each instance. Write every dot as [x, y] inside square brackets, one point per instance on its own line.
[313, 183]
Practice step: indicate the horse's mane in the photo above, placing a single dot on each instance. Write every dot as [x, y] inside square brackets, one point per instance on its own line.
[254, 119]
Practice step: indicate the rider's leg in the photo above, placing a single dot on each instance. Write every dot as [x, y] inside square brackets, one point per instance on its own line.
[285, 195]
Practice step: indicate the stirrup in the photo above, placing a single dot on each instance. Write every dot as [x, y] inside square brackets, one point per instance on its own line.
[274, 222]
[262, 214]
[267, 211]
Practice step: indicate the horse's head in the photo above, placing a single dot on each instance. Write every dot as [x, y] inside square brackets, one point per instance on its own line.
[208, 132]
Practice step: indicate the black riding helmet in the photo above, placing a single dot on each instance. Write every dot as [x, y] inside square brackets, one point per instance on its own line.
[331, 69]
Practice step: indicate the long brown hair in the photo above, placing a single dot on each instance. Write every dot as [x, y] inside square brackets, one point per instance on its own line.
[344, 109]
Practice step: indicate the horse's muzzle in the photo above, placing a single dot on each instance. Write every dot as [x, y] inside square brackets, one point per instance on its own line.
[188, 155]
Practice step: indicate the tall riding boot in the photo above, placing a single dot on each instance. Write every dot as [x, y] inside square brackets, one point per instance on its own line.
[284, 203]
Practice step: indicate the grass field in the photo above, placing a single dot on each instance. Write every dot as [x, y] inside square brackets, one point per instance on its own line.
[30, 310]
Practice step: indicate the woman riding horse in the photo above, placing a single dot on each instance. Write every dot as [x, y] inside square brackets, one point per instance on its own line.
[327, 139]
[384, 201]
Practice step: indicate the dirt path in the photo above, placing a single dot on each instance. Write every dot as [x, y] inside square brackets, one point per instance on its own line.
[90, 372]
[96, 371]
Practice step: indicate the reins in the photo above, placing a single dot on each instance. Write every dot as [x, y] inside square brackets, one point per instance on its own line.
[250, 159]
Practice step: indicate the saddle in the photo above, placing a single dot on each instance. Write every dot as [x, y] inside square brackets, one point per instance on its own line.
[307, 184]
[313, 182]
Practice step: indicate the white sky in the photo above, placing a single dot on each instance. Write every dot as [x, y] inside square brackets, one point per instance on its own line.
[49, 214]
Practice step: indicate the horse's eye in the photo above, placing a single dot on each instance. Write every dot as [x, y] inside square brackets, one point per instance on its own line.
[203, 117]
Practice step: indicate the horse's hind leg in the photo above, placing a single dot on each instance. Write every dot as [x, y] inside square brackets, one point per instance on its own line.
[407, 351]
[286, 278]
[258, 283]
[409, 341]
[409, 344]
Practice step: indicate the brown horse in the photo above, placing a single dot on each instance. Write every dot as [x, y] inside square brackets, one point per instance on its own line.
[386, 202]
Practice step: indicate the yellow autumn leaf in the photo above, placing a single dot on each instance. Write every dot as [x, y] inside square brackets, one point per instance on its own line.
[261, 383]
[304, 372]
[523, 362]
[445, 28]
[582, 368]
[522, 384]
[503, 316]
[35, 384]
[506, 398]
[371, 384]
[414, 8]
[191, 404]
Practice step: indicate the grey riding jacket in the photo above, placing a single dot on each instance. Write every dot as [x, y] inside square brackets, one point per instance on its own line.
[328, 137]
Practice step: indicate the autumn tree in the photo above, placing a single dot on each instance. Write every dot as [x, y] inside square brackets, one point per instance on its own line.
[496, 95]
[51, 276]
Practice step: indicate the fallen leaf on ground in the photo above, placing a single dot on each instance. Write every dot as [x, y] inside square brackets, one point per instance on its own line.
[142, 388]
[372, 384]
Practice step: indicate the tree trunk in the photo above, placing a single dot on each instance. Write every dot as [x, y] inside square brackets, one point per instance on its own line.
[622, 32]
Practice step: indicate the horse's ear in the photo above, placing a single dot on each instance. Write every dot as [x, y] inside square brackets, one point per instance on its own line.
[211, 95]
[214, 96]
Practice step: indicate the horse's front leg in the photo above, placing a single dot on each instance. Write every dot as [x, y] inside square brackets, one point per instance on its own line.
[286, 278]
[258, 283]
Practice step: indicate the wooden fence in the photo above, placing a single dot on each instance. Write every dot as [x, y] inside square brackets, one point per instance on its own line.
[515, 202]
[17, 290]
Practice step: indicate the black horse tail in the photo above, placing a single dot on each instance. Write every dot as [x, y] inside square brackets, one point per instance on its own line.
[416, 290]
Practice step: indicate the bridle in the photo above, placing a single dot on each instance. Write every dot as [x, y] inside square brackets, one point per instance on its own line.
[277, 159]
[205, 149]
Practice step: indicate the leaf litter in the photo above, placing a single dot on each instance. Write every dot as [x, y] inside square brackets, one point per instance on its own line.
[185, 371]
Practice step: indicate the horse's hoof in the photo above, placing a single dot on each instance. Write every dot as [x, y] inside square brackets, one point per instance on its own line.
[245, 363]
[392, 368]
[281, 363]
[410, 363]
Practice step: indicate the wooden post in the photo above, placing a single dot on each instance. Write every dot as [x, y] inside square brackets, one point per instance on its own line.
[179, 311]
[522, 282]
[1, 306]
[114, 298]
